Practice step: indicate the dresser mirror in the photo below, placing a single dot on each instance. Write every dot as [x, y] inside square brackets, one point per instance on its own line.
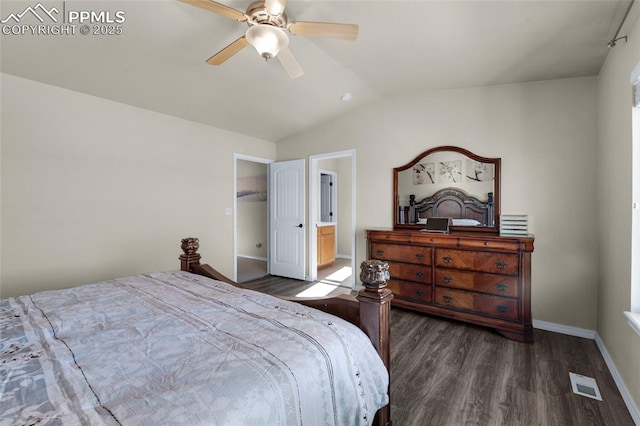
[448, 181]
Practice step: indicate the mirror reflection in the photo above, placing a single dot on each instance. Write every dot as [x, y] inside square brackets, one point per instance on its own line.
[448, 182]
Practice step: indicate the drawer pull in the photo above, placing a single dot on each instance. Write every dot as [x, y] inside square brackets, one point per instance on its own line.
[486, 243]
[419, 256]
[501, 287]
[501, 308]
[447, 259]
[420, 275]
[420, 293]
[379, 252]
[501, 265]
[447, 279]
[447, 298]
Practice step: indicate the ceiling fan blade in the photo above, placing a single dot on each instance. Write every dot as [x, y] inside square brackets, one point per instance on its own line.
[290, 64]
[228, 51]
[324, 29]
[275, 7]
[219, 8]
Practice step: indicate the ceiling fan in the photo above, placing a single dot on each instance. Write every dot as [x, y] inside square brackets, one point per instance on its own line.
[267, 32]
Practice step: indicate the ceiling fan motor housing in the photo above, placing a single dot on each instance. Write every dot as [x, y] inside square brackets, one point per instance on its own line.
[257, 14]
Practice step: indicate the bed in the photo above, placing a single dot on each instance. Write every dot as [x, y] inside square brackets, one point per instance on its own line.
[192, 347]
[464, 209]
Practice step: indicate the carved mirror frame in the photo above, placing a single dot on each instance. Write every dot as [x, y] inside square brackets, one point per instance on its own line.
[420, 159]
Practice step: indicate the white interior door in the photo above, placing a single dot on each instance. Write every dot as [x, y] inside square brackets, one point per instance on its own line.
[287, 218]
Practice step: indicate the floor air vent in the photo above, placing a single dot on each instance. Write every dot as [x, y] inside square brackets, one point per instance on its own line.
[585, 386]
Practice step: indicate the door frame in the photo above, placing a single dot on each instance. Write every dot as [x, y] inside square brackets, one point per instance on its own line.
[314, 187]
[253, 159]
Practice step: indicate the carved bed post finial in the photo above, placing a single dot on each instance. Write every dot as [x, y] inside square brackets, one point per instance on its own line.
[190, 256]
[374, 274]
[375, 311]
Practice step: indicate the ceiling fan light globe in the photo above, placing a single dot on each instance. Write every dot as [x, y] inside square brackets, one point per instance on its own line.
[267, 39]
[274, 7]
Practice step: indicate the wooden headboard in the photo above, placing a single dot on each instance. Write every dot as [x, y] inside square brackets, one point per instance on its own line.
[456, 204]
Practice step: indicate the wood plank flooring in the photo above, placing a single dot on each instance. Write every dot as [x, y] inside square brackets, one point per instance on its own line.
[451, 373]
[256, 271]
[250, 269]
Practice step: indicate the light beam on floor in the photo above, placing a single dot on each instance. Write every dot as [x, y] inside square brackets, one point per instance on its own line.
[339, 275]
[318, 290]
[325, 286]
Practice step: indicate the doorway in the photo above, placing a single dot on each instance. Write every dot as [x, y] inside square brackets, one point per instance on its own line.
[342, 213]
[250, 218]
[346, 217]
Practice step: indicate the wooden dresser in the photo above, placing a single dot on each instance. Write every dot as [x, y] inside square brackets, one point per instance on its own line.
[481, 279]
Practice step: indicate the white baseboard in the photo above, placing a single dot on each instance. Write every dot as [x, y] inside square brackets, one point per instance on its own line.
[631, 405]
[592, 334]
[564, 329]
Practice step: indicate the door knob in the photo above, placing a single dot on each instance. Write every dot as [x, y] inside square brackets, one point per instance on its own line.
[299, 226]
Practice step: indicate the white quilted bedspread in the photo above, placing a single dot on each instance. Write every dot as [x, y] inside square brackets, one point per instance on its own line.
[173, 348]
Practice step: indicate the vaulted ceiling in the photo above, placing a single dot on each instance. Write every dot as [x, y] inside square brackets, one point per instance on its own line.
[158, 61]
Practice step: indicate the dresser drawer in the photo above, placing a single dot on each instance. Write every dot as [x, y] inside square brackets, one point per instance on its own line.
[495, 306]
[392, 237]
[436, 239]
[495, 263]
[402, 253]
[410, 291]
[489, 244]
[410, 272]
[501, 285]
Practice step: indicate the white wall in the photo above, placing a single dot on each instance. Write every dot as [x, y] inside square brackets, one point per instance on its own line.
[545, 134]
[93, 189]
[614, 208]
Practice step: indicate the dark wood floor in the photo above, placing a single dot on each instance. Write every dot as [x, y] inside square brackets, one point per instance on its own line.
[286, 286]
[451, 373]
